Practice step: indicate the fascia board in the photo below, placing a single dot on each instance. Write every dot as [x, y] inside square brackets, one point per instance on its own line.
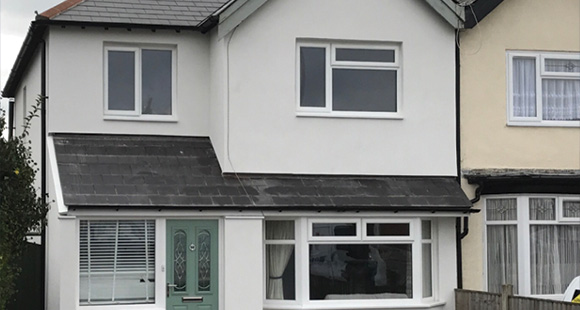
[453, 13]
[236, 14]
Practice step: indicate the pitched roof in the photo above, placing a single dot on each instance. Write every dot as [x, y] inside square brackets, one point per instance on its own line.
[187, 13]
[183, 172]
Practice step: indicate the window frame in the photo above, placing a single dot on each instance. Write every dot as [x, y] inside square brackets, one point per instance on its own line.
[136, 113]
[523, 223]
[160, 257]
[303, 239]
[541, 73]
[331, 63]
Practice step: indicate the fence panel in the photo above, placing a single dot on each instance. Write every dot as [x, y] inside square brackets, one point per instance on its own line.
[476, 300]
[517, 302]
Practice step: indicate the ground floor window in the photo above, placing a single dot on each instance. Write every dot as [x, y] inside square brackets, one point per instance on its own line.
[117, 261]
[346, 259]
[533, 243]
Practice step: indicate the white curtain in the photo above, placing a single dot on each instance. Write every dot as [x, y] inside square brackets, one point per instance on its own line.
[555, 257]
[560, 99]
[502, 257]
[278, 256]
[524, 87]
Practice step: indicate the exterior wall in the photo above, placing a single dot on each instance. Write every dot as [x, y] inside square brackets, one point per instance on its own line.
[266, 135]
[487, 142]
[76, 81]
[218, 95]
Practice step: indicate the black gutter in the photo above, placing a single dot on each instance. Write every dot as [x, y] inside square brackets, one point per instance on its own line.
[43, 97]
[11, 119]
[65, 23]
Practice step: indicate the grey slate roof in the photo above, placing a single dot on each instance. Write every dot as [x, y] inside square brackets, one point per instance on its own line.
[146, 12]
[153, 171]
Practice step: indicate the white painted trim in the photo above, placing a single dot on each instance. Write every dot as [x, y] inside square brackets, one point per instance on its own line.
[59, 199]
[560, 211]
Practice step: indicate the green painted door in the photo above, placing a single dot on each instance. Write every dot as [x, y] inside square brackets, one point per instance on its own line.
[192, 265]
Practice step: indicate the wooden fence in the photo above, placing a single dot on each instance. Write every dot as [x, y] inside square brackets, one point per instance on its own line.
[476, 300]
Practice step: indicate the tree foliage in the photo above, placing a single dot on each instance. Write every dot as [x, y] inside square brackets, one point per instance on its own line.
[21, 208]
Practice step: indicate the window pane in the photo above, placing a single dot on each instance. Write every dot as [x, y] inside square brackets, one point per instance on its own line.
[427, 271]
[312, 77]
[501, 209]
[562, 65]
[426, 230]
[117, 261]
[333, 229]
[524, 88]
[156, 84]
[571, 209]
[364, 90]
[560, 99]
[502, 259]
[280, 272]
[387, 229]
[204, 261]
[555, 257]
[121, 81]
[180, 260]
[360, 271]
[369, 55]
[542, 209]
[279, 230]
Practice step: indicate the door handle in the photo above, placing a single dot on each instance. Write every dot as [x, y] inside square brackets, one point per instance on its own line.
[192, 299]
[168, 286]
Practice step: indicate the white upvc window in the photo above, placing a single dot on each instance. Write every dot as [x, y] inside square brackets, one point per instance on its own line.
[533, 243]
[140, 83]
[359, 262]
[543, 89]
[348, 79]
[117, 262]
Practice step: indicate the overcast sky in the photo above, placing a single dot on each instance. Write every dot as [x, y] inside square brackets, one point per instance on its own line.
[15, 18]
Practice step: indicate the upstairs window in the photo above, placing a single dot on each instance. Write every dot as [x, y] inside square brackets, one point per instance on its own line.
[544, 89]
[349, 80]
[139, 83]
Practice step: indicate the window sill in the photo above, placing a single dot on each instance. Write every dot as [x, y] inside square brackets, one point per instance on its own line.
[362, 115]
[162, 119]
[353, 304]
[121, 307]
[544, 123]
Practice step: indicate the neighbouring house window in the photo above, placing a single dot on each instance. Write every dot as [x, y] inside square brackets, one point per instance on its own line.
[280, 260]
[139, 82]
[357, 261]
[533, 243]
[349, 79]
[117, 261]
[544, 88]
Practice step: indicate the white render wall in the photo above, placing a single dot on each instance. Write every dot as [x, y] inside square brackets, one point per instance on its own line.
[76, 75]
[266, 135]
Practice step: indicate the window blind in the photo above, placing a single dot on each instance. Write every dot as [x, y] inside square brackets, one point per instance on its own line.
[117, 261]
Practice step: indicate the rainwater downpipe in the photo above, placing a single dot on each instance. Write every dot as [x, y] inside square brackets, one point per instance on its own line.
[43, 164]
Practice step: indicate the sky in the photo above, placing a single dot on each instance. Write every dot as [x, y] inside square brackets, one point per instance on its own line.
[15, 18]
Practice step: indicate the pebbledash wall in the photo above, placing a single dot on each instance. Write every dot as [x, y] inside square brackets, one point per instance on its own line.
[486, 139]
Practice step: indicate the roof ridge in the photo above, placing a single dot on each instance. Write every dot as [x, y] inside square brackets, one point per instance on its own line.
[60, 8]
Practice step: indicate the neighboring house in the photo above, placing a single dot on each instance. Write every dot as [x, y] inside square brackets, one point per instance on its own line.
[285, 154]
[520, 147]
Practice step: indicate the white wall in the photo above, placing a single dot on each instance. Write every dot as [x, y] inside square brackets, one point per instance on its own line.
[76, 81]
[266, 136]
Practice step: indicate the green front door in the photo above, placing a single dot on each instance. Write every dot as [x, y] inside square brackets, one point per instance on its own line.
[192, 265]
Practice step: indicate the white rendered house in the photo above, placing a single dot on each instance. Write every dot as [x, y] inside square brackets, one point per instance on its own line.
[247, 154]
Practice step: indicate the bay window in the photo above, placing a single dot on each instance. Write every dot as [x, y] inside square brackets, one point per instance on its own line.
[533, 243]
[544, 89]
[348, 259]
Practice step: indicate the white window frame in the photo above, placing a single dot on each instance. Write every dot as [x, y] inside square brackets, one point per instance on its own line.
[560, 211]
[135, 114]
[332, 63]
[541, 73]
[304, 238]
[523, 224]
[160, 257]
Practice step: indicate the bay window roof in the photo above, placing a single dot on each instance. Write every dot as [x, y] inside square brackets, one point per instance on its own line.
[183, 172]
